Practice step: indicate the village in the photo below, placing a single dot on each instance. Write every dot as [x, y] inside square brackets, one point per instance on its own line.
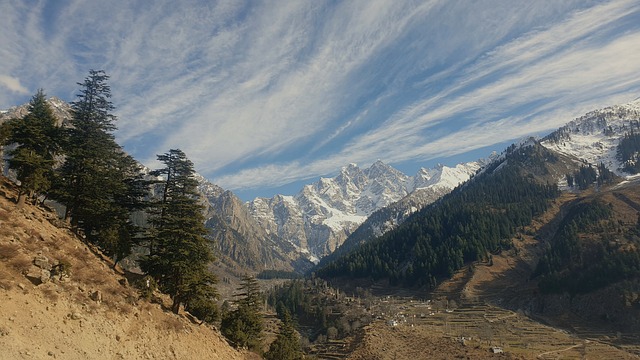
[473, 324]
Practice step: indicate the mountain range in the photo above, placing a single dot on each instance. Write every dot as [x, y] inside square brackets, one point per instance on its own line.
[322, 215]
[291, 232]
[549, 227]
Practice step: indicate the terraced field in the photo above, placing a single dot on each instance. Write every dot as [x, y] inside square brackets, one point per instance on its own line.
[481, 326]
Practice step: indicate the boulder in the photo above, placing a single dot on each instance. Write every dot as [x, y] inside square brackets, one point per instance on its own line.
[38, 275]
[42, 262]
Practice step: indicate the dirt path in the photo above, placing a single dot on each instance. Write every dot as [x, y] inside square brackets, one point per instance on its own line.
[541, 355]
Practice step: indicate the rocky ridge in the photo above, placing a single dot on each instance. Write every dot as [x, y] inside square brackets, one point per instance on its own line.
[322, 215]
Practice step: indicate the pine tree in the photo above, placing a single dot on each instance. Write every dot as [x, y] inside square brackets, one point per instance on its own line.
[37, 142]
[180, 253]
[286, 346]
[243, 326]
[99, 184]
[250, 292]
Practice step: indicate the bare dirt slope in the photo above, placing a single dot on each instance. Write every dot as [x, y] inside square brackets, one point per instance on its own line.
[90, 313]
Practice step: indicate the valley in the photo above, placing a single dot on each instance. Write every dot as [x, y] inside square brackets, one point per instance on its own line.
[496, 304]
[530, 254]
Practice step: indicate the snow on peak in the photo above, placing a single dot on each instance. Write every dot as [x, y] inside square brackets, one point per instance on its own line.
[444, 176]
[206, 187]
[594, 137]
[321, 216]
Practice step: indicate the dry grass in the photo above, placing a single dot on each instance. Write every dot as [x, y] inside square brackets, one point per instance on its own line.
[20, 263]
[33, 234]
[54, 245]
[9, 251]
[4, 215]
[88, 275]
[6, 231]
[6, 280]
[171, 323]
[80, 253]
[32, 244]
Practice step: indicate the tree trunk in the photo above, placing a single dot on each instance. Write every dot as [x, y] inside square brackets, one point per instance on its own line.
[175, 307]
[21, 199]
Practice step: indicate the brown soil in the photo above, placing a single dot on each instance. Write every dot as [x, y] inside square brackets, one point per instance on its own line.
[65, 318]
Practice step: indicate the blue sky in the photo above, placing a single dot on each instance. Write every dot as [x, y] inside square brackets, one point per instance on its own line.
[266, 95]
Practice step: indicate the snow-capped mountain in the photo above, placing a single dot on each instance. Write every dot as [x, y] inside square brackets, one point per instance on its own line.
[594, 137]
[323, 214]
[61, 110]
[238, 239]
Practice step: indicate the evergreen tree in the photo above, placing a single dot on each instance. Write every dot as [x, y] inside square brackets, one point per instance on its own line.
[250, 292]
[37, 142]
[243, 326]
[180, 254]
[98, 183]
[286, 346]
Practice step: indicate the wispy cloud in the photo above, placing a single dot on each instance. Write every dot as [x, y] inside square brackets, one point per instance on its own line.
[261, 94]
[13, 84]
[533, 83]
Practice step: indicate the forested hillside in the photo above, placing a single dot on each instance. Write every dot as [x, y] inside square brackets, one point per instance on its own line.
[474, 221]
[592, 248]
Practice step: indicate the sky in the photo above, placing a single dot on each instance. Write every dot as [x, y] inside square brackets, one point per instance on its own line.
[264, 96]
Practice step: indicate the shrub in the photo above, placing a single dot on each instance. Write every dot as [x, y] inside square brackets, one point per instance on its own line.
[146, 285]
[62, 269]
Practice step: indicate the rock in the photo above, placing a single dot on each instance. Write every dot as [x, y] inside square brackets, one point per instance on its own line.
[123, 282]
[38, 275]
[96, 296]
[21, 286]
[118, 338]
[42, 262]
[76, 316]
[4, 331]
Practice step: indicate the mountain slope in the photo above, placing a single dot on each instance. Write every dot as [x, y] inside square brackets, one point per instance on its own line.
[322, 215]
[508, 237]
[594, 137]
[238, 240]
[88, 311]
[466, 225]
[591, 139]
